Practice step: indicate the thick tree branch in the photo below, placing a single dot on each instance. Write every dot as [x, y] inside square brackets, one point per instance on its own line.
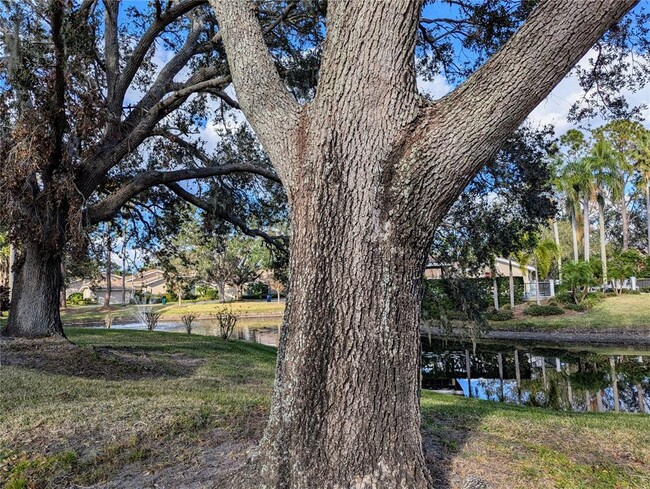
[501, 94]
[112, 61]
[110, 205]
[268, 105]
[497, 98]
[277, 241]
[146, 41]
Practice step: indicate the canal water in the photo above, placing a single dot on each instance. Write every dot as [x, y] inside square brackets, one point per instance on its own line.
[577, 378]
[565, 378]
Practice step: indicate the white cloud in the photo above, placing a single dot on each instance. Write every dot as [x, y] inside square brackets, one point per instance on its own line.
[554, 109]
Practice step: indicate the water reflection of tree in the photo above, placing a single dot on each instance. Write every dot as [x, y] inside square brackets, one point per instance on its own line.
[550, 377]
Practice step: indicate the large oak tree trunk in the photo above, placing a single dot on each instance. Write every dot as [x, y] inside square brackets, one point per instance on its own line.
[34, 308]
[348, 363]
[370, 170]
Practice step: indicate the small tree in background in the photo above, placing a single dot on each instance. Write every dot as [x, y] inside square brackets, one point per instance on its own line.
[624, 265]
[578, 277]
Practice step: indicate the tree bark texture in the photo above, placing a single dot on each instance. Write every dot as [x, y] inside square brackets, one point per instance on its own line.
[370, 170]
[34, 311]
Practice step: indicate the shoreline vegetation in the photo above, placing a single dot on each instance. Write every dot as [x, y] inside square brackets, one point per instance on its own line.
[138, 409]
[615, 321]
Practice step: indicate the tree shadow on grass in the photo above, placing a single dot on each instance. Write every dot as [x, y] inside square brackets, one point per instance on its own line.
[447, 428]
[61, 357]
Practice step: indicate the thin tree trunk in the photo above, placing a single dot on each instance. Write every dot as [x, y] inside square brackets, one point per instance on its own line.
[603, 247]
[500, 359]
[625, 222]
[12, 275]
[34, 310]
[599, 400]
[278, 291]
[586, 230]
[468, 369]
[647, 213]
[574, 235]
[124, 248]
[222, 291]
[537, 296]
[518, 375]
[62, 295]
[614, 381]
[556, 235]
[109, 267]
[495, 293]
[641, 397]
[511, 285]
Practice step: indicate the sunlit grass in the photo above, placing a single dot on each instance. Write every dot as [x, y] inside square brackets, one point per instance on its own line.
[94, 314]
[626, 312]
[159, 400]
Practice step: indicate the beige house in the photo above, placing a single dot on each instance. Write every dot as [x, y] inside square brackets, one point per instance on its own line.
[151, 281]
[435, 270]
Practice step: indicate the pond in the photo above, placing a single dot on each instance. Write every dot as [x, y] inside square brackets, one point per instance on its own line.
[243, 330]
[577, 378]
[566, 378]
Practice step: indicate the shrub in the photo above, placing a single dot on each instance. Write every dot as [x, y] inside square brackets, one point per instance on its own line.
[75, 299]
[226, 320]
[502, 315]
[535, 310]
[592, 299]
[575, 307]
[188, 319]
[207, 294]
[171, 297]
[256, 289]
[148, 317]
[645, 290]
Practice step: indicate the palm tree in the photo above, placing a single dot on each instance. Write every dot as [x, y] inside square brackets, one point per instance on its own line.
[565, 187]
[603, 164]
[623, 136]
[579, 184]
[642, 157]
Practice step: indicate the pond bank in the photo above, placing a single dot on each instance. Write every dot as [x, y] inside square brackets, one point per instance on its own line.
[627, 338]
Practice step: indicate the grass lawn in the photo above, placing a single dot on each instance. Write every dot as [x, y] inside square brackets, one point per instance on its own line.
[626, 312]
[142, 408]
[90, 314]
